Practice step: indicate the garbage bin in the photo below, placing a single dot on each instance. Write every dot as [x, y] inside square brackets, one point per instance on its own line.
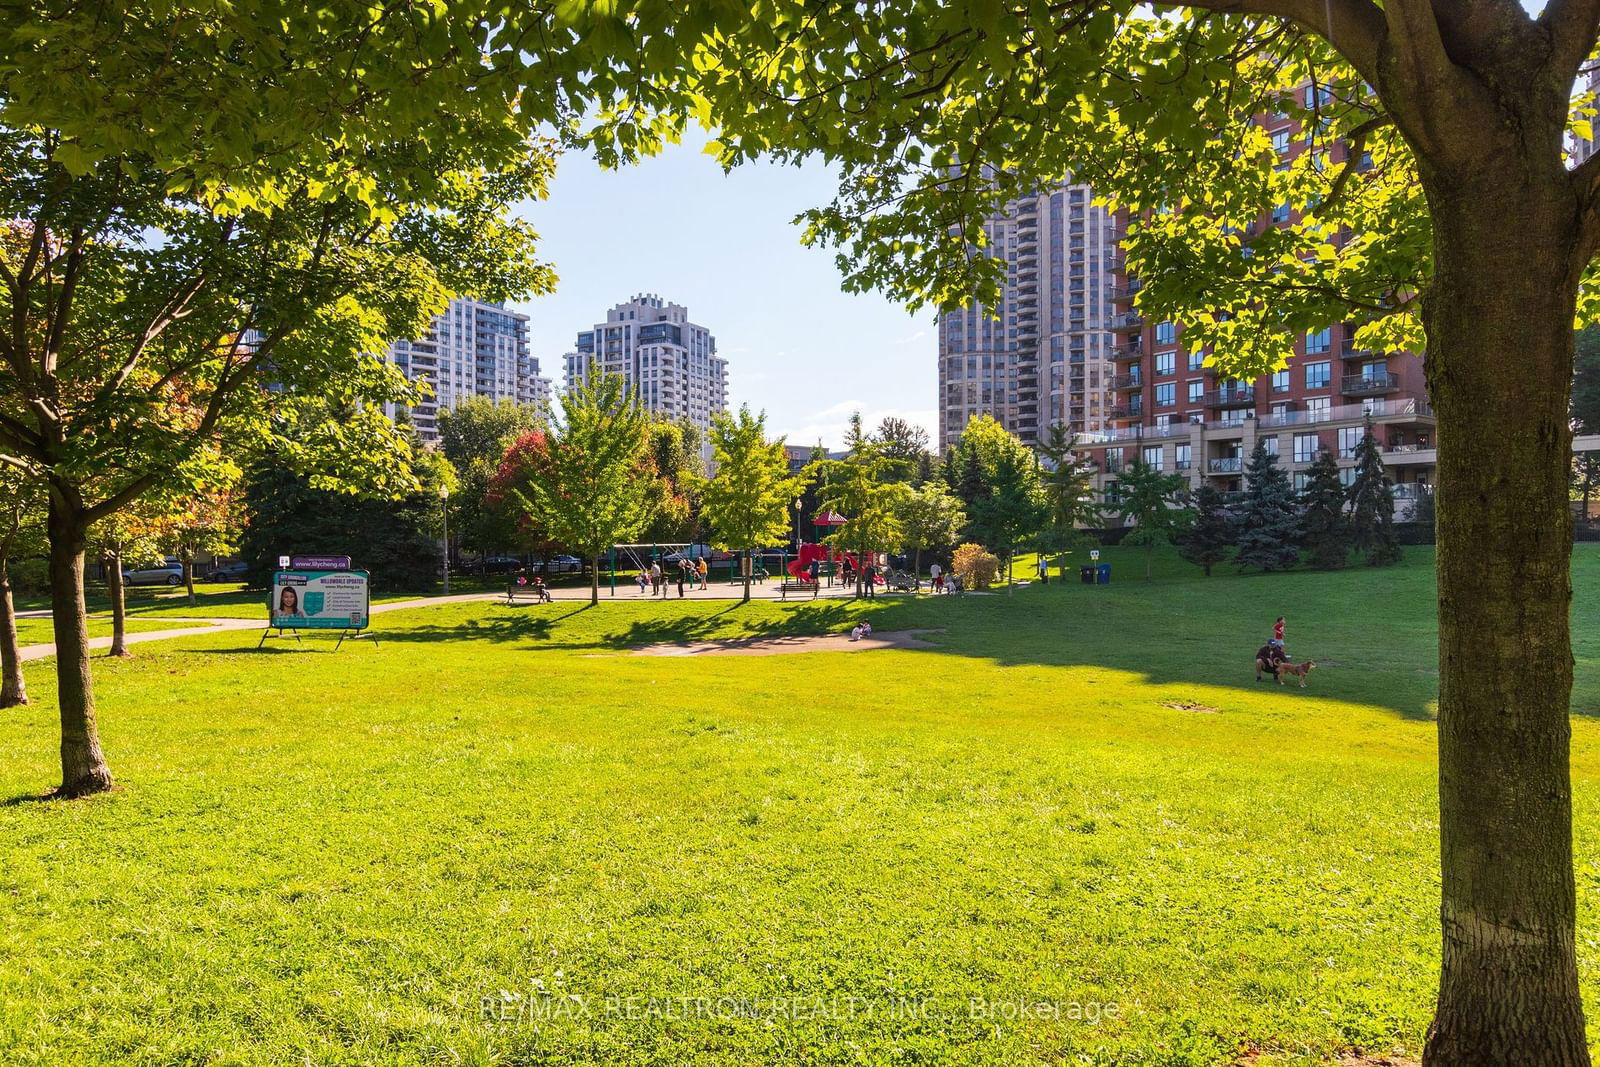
[1086, 574]
[1105, 574]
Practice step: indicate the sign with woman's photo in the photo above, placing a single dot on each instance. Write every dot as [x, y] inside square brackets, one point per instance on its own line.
[319, 600]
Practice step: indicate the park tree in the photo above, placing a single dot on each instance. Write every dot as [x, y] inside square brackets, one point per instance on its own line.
[1067, 480]
[474, 436]
[1371, 499]
[862, 488]
[214, 215]
[1324, 530]
[931, 517]
[1435, 209]
[593, 483]
[1210, 536]
[22, 505]
[207, 521]
[1154, 503]
[1269, 520]
[903, 443]
[747, 503]
[1013, 512]
[674, 449]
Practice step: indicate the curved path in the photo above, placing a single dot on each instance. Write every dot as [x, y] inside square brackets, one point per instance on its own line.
[215, 625]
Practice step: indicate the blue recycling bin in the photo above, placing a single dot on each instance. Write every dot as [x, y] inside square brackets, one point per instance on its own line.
[1105, 574]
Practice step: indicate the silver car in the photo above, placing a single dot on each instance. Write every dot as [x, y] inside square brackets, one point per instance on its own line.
[168, 573]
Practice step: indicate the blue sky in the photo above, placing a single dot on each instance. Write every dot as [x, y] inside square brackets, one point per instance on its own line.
[724, 246]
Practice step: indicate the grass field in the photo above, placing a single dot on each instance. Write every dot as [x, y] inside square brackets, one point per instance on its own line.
[1076, 831]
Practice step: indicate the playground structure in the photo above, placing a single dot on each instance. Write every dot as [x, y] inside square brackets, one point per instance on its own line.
[823, 556]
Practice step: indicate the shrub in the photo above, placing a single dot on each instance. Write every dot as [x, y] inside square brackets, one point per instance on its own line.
[976, 566]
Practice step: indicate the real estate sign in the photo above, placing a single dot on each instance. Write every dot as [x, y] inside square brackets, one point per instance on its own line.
[319, 600]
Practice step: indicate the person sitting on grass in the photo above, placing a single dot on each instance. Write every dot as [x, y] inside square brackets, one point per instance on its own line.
[862, 629]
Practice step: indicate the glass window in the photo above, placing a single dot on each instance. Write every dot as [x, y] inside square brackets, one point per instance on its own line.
[1197, 360]
[1167, 393]
[1152, 457]
[1280, 381]
[1318, 375]
[1319, 342]
[1305, 447]
[1349, 439]
[1301, 480]
[1280, 141]
[1272, 444]
[1280, 214]
[1166, 332]
[1166, 362]
[1180, 457]
[1197, 391]
[1319, 409]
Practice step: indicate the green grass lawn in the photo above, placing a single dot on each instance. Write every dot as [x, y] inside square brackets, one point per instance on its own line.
[1080, 798]
[39, 632]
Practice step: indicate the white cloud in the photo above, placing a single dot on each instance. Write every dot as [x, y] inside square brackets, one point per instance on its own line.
[912, 338]
[830, 424]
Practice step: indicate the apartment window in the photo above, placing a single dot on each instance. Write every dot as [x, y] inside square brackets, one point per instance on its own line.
[1271, 444]
[1280, 381]
[1318, 375]
[1319, 409]
[1197, 392]
[1166, 362]
[1280, 141]
[1197, 361]
[1166, 333]
[1280, 214]
[1319, 342]
[1166, 394]
[1180, 457]
[1349, 439]
[1152, 457]
[1301, 481]
[1347, 476]
[1305, 447]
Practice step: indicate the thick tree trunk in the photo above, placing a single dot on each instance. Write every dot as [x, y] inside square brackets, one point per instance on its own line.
[1499, 366]
[594, 580]
[119, 603]
[83, 765]
[13, 689]
[188, 575]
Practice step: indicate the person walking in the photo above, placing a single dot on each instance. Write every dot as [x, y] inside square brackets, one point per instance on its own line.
[683, 566]
[1044, 570]
[934, 573]
[655, 577]
[869, 578]
[704, 571]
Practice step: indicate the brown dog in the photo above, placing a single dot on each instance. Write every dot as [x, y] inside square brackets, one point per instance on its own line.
[1299, 670]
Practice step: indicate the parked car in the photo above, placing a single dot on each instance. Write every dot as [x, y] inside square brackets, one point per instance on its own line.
[566, 565]
[698, 551]
[495, 565]
[168, 573]
[228, 572]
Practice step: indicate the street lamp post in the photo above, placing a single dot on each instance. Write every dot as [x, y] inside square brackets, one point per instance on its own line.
[444, 510]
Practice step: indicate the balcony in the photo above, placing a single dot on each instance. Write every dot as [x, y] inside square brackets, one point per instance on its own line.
[1125, 411]
[1227, 465]
[1242, 397]
[1126, 352]
[1122, 383]
[1357, 355]
[1128, 320]
[1124, 293]
[1369, 384]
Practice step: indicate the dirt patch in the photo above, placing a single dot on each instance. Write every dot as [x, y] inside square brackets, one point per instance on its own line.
[785, 646]
[1189, 705]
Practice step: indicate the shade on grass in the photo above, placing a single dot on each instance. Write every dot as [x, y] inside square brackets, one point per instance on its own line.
[1080, 798]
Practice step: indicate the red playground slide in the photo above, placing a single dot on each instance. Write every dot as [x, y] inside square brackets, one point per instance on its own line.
[800, 567]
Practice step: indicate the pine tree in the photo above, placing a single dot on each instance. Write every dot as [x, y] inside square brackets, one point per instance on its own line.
[1324, 530]
[1372, 506]
[972, 487]
[1208, 539]
[948, 471]
[1269, 525]
[1154, 503]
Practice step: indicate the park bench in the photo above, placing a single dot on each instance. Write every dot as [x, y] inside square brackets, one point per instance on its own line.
[538, 594]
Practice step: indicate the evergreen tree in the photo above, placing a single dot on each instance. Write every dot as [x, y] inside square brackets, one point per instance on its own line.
[1324, 530]
[1372, 506]
[1209, 537]
[1014, 510]
[948, 471]
[1153, 502]
[972, 487]
[1269, 525]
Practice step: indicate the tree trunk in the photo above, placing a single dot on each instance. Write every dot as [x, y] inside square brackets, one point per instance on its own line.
[594, 580]
[748, 567]
[119, 602]
[13, 688]
[83, 765]
[1499, 366]
[188, 575]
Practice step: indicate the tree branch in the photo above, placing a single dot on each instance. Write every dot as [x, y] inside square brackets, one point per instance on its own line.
[1354, 27]
[1572, 26]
